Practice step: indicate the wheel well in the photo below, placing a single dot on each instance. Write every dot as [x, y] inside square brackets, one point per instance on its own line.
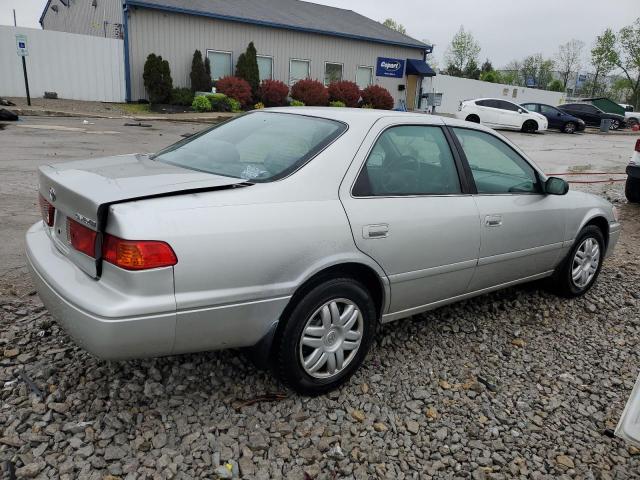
[529, 122]
[473, 118]
[603, 225]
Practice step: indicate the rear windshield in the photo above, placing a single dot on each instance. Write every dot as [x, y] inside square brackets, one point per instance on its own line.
[257, 147]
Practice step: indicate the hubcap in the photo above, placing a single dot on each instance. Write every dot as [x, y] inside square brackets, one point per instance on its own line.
[331, 338]
[585, 263]
[615, 124]
[570, 128]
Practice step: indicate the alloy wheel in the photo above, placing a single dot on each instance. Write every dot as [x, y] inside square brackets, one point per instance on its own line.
[331, 338]
[615, 125]
[585, 262]
[570, 127]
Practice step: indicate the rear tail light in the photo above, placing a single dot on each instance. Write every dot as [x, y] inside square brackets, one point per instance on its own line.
[83, 239]
[47, 210]
[137, 254]
[638, 145]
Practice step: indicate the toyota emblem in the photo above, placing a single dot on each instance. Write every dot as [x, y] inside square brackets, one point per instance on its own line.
[52, 194]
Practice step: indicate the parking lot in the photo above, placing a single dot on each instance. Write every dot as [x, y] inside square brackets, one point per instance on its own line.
[518, 383]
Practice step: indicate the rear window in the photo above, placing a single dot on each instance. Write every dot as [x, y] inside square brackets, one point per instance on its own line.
[257, 147]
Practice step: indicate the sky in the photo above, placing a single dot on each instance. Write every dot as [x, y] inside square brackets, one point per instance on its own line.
[506, 29]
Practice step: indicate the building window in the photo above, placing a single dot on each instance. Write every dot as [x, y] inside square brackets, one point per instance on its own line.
[298, 70]
[332, 72]
[221, 64]
[265, 67]
[364, 77]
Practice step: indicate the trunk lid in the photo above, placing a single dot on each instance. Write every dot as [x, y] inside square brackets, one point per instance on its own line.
[83, 190]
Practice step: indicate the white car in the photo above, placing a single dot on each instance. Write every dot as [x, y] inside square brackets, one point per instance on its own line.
[629, 425]
[497, 113]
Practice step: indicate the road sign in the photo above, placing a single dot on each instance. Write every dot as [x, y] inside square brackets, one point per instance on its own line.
[21, 45]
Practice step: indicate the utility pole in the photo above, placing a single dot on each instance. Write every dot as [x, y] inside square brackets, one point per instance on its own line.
[15, 24]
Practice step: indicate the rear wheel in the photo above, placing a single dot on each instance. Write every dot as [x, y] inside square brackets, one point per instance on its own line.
[615, 124]
[632, 189]
[326, 336]
[473, 118]
[569, 127]
[530, 126]
[581, 267]
[632, 122]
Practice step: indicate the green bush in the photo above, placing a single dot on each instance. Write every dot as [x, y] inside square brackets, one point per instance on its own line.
[182, 96]
[157, 79]
[258, 106]
[236, 106]
[556, 86]
[201, 104]
[367, 105]
[296, 103]
[337, 103]
[219, 102]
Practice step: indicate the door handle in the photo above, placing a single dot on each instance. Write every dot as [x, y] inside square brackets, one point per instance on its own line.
[375, 231]
[493, 220]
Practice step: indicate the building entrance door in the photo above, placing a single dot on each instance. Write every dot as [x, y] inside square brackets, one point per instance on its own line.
[412, 91]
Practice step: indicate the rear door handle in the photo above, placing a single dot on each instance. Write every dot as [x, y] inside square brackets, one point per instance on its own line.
[493, 220]
[375, 231]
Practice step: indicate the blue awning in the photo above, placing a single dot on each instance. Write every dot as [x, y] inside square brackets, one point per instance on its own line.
[419, 67]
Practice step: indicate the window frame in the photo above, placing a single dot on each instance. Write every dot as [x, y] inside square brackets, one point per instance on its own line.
[324, 75]
[272, 62]
[540, 176]
[219, 51]
[308, 60]
[368, 67]
[466, 188]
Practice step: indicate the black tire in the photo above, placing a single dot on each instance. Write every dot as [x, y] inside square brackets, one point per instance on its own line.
[615, 124]
[569, 127]
[632, 190]
[473, 118]
[632, 121]
[562, 282]
[288, 349]
[530, 126]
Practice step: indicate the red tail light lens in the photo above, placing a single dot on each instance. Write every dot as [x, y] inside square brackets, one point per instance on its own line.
[82, 238]
[47, 210]
[137, 254]
[638, 145]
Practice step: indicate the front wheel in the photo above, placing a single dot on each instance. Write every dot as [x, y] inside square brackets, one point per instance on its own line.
[530, 126]
[632, 190]
[581, 267]
[615, 124]
[326, 336]
[569, 127]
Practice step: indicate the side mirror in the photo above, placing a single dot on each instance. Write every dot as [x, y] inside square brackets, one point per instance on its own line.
[520, 110]
[556, 186]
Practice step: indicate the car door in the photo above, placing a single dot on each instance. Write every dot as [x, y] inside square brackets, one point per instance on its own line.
[489, 112]
[522, 229]
[510, 115]
[629, 425]
[410, 212]
[592, 114]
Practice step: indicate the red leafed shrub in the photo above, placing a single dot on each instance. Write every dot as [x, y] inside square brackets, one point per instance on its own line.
[310, 92]
[377, 97]
[273, 93]
[346, 92]
[235, 87]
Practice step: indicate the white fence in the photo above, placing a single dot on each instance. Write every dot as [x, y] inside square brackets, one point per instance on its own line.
[78, 67]
[455, 89]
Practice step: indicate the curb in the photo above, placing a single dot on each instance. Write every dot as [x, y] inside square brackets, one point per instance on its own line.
[138, 118]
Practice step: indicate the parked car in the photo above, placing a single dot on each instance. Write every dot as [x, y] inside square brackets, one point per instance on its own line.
[498, 113]
[632, 186]
[296, 231]
[557, 118]
[629, 424]
[632, 118]
[592, 115]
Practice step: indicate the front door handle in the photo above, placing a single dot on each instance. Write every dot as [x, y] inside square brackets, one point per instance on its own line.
[375, 231]
[493, 220]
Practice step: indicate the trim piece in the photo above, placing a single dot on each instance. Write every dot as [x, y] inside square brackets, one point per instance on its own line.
[503, 257]
[432, 271]
[186, 11]
[229, 305]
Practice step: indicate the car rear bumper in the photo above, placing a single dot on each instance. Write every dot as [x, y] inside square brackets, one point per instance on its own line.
[112, 338]
[633, 171]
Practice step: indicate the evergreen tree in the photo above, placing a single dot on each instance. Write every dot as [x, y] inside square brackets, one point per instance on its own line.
[247, 67]
[198, 74]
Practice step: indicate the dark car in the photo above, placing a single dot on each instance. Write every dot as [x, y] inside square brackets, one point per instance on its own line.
[592, 115]
[563, 121]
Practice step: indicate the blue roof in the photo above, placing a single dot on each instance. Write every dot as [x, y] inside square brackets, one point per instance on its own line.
[419, 67]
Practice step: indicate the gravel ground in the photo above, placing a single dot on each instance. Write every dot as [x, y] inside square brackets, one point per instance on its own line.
[517, 384]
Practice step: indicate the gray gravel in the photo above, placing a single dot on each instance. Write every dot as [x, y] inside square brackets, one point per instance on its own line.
[517, 384]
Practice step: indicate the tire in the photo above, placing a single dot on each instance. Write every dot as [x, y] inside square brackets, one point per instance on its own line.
[314, 312]
[473, 118]
[632, 121]
[632, 190]
[530, 126]
[615, 124]
[563, 282]
[569, 127]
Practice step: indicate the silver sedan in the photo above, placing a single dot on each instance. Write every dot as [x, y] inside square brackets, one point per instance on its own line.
[296, 231]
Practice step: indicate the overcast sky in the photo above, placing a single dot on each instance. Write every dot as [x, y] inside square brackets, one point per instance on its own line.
[506, 29]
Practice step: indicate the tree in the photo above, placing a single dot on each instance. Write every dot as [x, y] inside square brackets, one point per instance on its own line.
[629, 59]
[604, 57]
[200, 79]
[462, 53]
[486, 66]
[568, 59]
[247, 67]
[157, 79]
[537, 70]
[393, 25]
[511, 75]
[556, 86]
[492, 77]
[471, 70]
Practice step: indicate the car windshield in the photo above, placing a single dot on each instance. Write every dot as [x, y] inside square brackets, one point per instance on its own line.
[257, 147]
